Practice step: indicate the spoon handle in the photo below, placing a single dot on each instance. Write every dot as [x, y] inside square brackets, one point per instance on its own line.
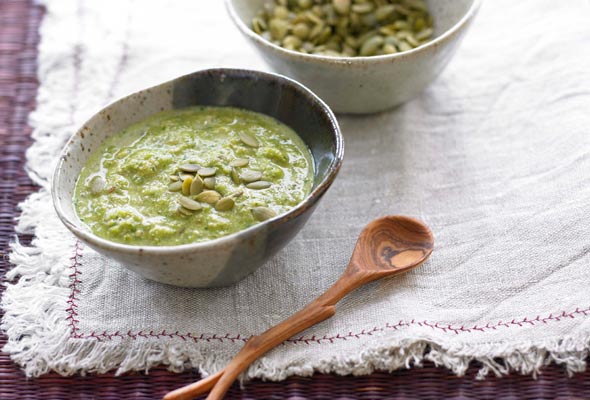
[317, 311]
[194, 389]
[256, 346]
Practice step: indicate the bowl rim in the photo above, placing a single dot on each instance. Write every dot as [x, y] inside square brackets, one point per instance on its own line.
[473, 8]
[300, 208]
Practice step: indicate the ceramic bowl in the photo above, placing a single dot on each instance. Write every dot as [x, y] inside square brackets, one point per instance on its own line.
[226, 260]
[366, 84]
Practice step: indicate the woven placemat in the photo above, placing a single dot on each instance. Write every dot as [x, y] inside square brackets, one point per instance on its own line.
[19, 21]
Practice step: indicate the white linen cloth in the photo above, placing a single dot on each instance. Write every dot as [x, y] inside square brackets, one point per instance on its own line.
[494, 156]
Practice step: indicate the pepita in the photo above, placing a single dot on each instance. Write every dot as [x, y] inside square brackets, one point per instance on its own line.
[278, 28]
[204, 172]
[370, 46]
[175, 186]
[248, 139]
[239, 162]
[97, 184]
[186, 186]
[189, 167]
[209, 182]
[250, 176]
[404, 46]
[196, 186]
[208, 196]
[263, 213]
[424, 34]
[184, 211]
[235, 177]
[362, 8]
[342, 7]
[224, 204]
[301, 30]
[258, 185]
[189, 204]
[323, 26]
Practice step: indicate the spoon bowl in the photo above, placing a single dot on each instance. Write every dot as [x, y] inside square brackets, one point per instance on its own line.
[387, 246]
[392, 243]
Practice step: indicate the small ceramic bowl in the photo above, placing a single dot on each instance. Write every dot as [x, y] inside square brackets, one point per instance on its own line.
[366, 84]
[226, 260]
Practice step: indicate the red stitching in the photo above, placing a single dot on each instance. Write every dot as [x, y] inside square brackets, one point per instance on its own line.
[73, 322]
[72, 310]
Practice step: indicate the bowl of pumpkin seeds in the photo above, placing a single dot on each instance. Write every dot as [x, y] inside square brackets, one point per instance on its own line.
[360, 56]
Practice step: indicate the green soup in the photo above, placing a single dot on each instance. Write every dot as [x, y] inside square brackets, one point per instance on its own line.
[191, 175]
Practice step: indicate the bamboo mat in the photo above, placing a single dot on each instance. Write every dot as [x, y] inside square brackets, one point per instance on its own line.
[19, 21]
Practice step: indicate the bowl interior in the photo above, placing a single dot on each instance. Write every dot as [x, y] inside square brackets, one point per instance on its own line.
[266, 93]
[446, 13]
[281, 98]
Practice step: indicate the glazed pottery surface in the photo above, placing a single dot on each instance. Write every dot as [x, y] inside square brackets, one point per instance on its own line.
[226, 260]
[366, 84]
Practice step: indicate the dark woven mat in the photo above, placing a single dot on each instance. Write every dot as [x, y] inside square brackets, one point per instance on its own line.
[19, 21]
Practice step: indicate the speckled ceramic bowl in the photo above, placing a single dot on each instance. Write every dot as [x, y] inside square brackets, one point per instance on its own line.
[366, 84]
[226, 260]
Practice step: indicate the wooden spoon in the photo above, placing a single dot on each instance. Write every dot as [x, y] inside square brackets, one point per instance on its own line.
[387, 246]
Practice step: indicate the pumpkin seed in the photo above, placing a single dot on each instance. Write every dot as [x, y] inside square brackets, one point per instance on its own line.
[404, 46]
[250, 176]
[209, 182]
[424, 34]
[341, 6]
[417, 5]
[419, 24]
[234, 176]
[384, 12]
[263, 213]
[304, 3]
[248, 139]
[313, 17]
[258, 25]
[389, 49]
[196, 186]
[224, 204]
[184, 176]
[401, 24]
[174, 178]
[239, 162]
[278, 28]
[204, 172]
[317, 10]
[281, 12]
[323, 26]
[291, 42]
[175, 186]
[97, 184]
[301, 30]
[370, 46]
[184, 211]
[189, 167]
[258, 185]
[412, 40]
[208, 196]
[362, 8]
[186, 186]
[189, 204]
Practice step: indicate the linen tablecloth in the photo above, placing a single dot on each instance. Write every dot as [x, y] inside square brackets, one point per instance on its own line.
[494, 156]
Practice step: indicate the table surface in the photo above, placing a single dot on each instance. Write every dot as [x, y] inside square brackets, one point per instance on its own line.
[19, 20]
